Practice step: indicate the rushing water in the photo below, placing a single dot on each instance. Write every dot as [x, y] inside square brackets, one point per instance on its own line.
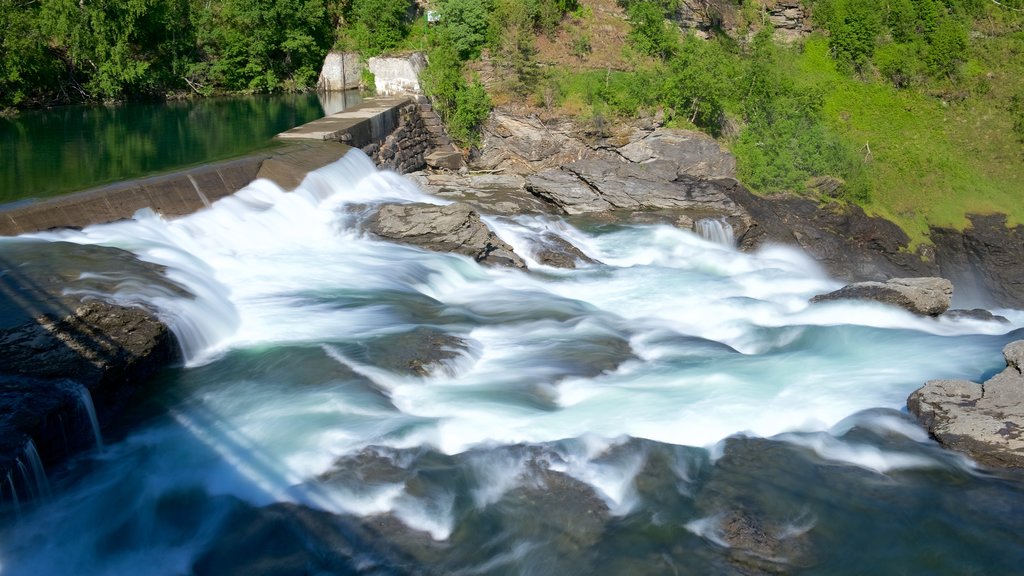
[678, 408]
[56, 151]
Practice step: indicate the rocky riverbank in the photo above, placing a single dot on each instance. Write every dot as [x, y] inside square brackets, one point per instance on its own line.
[70, 352]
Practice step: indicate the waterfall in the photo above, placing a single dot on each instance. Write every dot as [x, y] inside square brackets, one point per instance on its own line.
[715, 230]
[39, 480]
[85, 404]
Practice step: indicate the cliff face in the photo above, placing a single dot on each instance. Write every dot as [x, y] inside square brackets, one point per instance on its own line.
[789, 17]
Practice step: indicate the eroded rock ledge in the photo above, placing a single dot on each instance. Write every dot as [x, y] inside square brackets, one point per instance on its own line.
[924, 296]
[983, 421]
[59, 341]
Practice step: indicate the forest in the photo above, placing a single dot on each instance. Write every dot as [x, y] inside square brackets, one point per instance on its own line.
[876, 105]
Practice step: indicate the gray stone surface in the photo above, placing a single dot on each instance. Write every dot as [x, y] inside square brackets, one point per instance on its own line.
[925, 296]
[691, 153]
[341, 71]
[453, 228]
[57, 337]
[396, 75]
[985, 421]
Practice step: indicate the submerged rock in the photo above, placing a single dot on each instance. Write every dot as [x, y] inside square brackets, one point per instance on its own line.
[925, 296]
[985, 421]
[453, 228]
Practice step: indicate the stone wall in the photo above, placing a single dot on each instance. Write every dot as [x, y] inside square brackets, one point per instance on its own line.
[404, 150]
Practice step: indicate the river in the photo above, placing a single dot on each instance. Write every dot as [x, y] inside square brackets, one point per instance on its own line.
[60, 150]
[676, 408]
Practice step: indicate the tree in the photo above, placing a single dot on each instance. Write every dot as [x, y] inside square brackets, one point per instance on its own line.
[650, 33]
[379, 25]
[465, 25]
[854, 26]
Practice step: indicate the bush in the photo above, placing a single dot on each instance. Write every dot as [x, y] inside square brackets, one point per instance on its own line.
[463, 106]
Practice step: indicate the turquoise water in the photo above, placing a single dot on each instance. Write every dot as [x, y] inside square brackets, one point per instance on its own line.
[678, 407]
[52, 152]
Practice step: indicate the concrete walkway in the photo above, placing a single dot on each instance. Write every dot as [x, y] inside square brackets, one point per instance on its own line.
[371, 121]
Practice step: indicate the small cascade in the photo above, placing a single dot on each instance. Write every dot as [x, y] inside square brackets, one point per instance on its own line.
[715, 230]
[84, 398]
[202, 197]
[35, 468]
[14, 492]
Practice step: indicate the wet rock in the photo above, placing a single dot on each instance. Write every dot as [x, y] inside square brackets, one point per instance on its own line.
[417, 352]
[57, 337]
[985, 421]
[557, 252]
[924, 296]
[453, 228]
[848, 243]
[286, 539]
[986, 261]
[975, 314]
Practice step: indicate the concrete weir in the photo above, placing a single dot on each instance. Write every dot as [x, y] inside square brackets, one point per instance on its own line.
[182, 192]
[362, 125]
[174, 194]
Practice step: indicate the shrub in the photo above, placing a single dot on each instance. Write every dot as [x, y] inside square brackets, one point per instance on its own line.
[650, 34]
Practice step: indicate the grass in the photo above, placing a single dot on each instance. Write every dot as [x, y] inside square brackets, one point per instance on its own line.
[930, 162]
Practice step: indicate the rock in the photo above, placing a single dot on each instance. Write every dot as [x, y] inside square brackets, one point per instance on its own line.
[975, 314]
[985, 421]
[925, 296]
[595, 185]
[555, 251]
[453, 228]
[692, 153]
[341, 71]
[445, 160]
[525, 145]
[985, 260]
[848, 243]
[54, 344]
[398, 75]
[503, 194]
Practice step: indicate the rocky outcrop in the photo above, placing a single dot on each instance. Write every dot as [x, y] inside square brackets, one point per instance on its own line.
[396, 75]
[848, 243]
[59, 344]
[523, 146]
[986, 261]
[341, 71]
[924, 296]
[985, 421]
[453, 228]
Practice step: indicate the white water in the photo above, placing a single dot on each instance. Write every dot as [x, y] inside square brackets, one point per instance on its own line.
[712, 342]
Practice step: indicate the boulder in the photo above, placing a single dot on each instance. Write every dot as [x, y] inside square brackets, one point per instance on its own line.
[925, 296]
[453, 228]
[526, 145]
[985, 421]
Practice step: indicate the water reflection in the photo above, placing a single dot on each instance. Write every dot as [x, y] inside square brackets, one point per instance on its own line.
[56, 151]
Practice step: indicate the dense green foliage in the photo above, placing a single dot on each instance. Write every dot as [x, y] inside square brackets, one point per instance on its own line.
[54, 51]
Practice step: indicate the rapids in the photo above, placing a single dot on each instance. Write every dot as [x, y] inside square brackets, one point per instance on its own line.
[677, 408]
